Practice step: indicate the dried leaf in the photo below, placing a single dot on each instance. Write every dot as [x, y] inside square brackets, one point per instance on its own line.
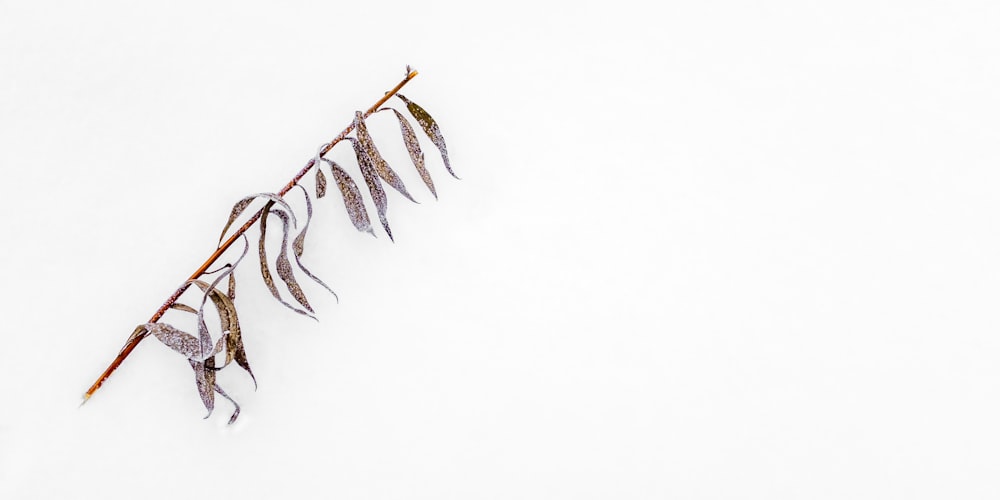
[320, 178]
[320, 182]
[204, 377]
[236, 413]
[298, 245]
[183, 307]
[284, 266]
[232, 285]
[140, 331]
[229, 321]
[413, 147]
[381, 166]
[265, 271]
[203, 336]
[374, 186]
[230, 324]
[204, 339]
[242, 205]
[353, 201]
[430, 128]
[184, 343]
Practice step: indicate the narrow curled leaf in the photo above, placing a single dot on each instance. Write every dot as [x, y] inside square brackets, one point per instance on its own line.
[430, 128]
[265, 270]
[204, 339]
[284, 266]
[183, 307]
[377, 161]
[203, 336]
[140, 331]
[413, 148]
[374, 186]
[353, 201]
[298, 245]
[204, 377]
[242, 205]
[230, 324]
[238, 209]
[236, 413]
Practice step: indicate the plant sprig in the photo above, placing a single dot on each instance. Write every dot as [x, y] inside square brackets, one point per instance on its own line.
[201, 351]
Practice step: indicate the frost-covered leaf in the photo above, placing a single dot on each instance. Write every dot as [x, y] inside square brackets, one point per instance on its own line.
[353, 201]
[242, 205]
[204, 377]
[298, 245]
[265, 270]
[203, 336]
[236, 413]
[377, 161]
[413, 148]
[284, 266]
[320, 182]
[374, 185]
[229, 321]
[430, 128]
[182, 342]
[230, 324]
[204, 339]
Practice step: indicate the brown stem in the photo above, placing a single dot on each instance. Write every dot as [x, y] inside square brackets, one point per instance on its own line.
[134, 341]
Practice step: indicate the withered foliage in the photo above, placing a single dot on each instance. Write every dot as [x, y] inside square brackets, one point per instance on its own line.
[201, 349]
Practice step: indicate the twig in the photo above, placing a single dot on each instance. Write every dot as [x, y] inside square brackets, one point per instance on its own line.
[135, 339]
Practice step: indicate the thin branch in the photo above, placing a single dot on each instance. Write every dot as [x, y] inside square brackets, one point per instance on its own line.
[135, 339]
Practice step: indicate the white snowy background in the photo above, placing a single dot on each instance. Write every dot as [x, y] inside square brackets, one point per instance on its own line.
[699, 250]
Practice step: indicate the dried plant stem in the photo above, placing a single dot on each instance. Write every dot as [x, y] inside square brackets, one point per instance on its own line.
[134, 340]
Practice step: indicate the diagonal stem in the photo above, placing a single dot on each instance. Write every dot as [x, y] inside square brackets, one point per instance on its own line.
[135, 339]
